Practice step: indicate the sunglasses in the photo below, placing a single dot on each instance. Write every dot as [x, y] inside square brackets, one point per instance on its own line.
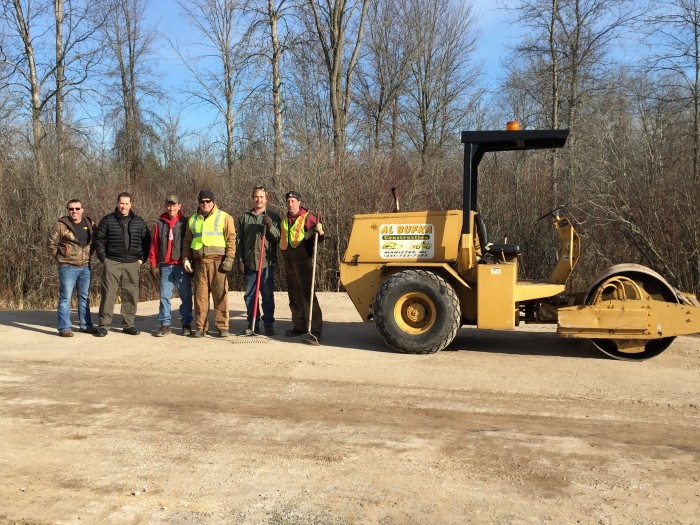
[74, 209]
[205, 201]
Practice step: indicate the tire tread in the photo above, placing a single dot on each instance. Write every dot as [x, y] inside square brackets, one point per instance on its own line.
[455, 320]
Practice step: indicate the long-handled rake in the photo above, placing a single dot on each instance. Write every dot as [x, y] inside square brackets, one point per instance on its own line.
[251, 331]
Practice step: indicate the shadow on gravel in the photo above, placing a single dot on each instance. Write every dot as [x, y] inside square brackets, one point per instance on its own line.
[44, 321]
[38, 321]
[364, 336]
[522, 343]
[353, 336]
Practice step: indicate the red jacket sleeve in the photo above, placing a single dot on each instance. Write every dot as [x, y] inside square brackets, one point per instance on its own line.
[153, 253]
[310, 221]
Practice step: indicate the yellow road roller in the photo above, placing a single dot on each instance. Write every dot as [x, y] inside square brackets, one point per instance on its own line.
[421, 275]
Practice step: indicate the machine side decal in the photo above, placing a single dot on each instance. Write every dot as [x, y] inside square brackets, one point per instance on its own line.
[406, 241]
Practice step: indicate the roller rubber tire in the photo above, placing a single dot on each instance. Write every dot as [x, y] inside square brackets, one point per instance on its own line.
[417, 312]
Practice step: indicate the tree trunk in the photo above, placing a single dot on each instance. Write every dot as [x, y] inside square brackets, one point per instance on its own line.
[696, 98]
[332, 38]
[276, 95]
[34, 89]
[60, 80]
[555, 96]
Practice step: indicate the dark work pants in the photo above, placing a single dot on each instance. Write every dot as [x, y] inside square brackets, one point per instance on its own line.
[122, 277]
[299, 267]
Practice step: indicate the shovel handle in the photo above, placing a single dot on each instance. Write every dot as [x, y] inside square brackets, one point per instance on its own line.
[313, 276]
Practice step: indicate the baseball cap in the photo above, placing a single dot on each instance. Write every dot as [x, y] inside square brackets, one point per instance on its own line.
[172, 199]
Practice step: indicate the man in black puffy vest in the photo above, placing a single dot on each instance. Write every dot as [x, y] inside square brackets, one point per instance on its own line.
[122, 242]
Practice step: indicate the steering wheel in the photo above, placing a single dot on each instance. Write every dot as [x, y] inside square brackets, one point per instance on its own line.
[554, 212]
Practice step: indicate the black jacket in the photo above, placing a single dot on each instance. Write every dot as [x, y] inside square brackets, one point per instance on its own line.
[110, 236]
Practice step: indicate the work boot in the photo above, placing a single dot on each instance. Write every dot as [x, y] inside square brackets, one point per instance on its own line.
[164, 330]
[269, 329]
[223, 333]
[66, 333]
[197, 334]
[186, 330]
[132, 330]
[293, 332]
[102, 332]
[89, 330]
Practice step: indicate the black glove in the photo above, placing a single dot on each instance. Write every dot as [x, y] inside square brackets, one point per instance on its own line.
[226, 265]
[267, 221]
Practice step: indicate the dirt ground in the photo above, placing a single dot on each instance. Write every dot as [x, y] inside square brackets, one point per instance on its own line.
[502, 427]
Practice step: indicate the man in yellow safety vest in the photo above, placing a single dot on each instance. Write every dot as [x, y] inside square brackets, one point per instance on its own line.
[297, 231]
[209, 249]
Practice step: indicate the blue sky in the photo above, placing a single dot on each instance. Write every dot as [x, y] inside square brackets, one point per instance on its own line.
[491, 47]
[167, 16]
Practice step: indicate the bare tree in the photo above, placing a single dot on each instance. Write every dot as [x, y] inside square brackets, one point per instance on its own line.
[442, 73]
[383, 71]
[22, 19]
[641, 158]
[76, 55]
[337, 24]
[676, 37]
[171, 142]
[537, 70]
[309, 120]
[130, 43]
[561, 64]
[34, 65]
[271, 20]
[225, 42]
[569, 40]
[274, 12]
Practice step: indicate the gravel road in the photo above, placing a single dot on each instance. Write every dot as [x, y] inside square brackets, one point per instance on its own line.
[502, 427]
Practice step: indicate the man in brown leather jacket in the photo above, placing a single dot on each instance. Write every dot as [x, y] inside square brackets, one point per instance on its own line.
[70, 243]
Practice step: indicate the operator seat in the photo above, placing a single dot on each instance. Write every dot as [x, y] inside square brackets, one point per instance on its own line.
[490, 252]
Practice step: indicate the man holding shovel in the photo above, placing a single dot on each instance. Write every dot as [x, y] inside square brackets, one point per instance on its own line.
[258, 236]
[300, 234]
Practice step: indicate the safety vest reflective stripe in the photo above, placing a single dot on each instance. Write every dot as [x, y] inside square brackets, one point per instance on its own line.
[209, 231]
[297, 236]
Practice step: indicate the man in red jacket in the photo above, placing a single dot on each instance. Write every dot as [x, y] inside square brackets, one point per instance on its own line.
[166, 266]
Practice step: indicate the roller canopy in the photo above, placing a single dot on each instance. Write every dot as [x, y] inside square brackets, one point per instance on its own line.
[476, 143]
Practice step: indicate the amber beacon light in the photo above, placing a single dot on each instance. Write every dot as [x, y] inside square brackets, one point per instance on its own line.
[513, 125]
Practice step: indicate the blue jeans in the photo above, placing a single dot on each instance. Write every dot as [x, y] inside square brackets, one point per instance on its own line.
[175, 275]
[267, 291]
[68, 277]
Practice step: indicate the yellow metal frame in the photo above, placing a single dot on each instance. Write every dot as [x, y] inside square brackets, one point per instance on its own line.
[629, 319]
[487, 299]
[496, 305]
[570, 250]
